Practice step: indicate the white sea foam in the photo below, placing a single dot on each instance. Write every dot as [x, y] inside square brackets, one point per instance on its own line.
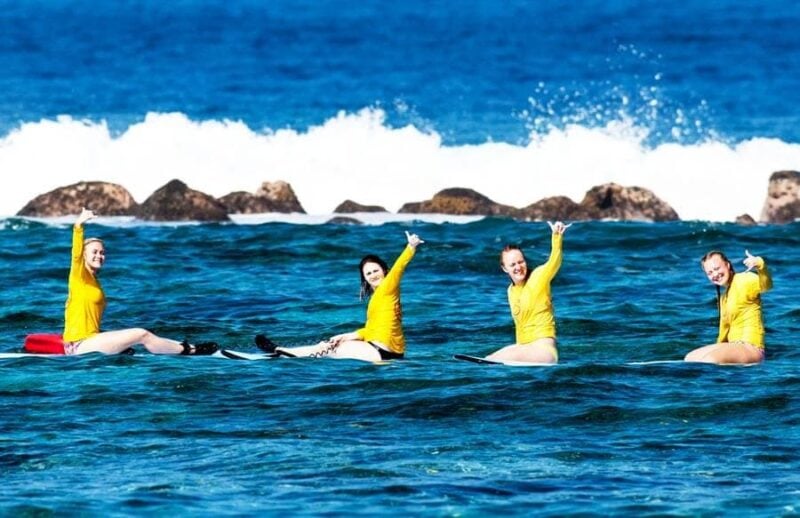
[358, 156]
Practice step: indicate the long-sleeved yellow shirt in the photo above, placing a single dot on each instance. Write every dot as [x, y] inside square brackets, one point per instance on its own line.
[85, 299]
[740, 307]
[384, 312]
[532, 304]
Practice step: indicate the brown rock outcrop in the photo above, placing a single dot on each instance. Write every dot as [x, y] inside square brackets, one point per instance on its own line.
[106, 199]
[745, 220]
[270, 197]
[349, 206]
[783, 198]
[459, 201]
[555, 208]
[613, 201]
[177, 202]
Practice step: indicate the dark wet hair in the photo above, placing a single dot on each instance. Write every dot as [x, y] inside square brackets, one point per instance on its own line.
[724, 257]
[709, 255]
[509, 248]
[366, 289]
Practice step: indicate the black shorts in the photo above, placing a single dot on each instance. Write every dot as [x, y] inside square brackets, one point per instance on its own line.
[386, 355]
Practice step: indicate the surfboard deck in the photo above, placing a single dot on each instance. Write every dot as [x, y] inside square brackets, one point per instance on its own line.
[239, 355]
[484, 361]
[10, 356]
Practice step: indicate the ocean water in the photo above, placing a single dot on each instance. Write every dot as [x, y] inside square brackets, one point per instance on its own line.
[386, 103]
[597, 434]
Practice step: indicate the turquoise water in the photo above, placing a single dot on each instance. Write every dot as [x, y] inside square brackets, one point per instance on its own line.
[428, 435]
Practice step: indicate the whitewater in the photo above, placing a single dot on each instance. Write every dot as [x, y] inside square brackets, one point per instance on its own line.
[358, 156]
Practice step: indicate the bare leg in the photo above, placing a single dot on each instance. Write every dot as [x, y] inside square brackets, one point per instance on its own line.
[542, 350]
[114, 342]
[726, 353]
[351, 349]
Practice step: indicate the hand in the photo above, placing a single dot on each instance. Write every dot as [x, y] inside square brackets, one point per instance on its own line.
[337, 339]
[558, 227]
[84, 216]
[751, 261]
[413, 240]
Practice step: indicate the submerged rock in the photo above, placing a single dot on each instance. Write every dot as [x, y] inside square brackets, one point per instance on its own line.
[783, 198]
[270, 197]
[344, 220]
[177, 202]
[613, 201]
[105, 199]
[459, 201]
[349, 206]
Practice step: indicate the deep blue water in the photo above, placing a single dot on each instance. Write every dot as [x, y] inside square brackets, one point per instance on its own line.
[472, 71]
[428, 435]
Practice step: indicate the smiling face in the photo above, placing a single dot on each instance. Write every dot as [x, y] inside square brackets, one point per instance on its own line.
[718, 270]
[373, 273]
[94, 255]
[513, 263]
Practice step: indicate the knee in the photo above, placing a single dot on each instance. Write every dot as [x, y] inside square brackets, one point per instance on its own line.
[143, 335]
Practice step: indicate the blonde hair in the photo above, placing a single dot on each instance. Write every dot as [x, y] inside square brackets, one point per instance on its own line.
[93, 240]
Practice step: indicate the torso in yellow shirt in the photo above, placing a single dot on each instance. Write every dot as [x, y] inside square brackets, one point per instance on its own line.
[384, 311]
[532, 303]
[85, 299]
[740, 308]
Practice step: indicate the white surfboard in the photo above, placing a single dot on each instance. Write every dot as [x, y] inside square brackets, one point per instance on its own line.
[484, 361]
[238, 355]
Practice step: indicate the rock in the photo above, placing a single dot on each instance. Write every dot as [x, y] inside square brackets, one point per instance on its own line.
[783, 198]
[106, 199]
[746, 220]
[459, 201]
[270, 197]
[613, 201]
[349, 206]
[556, 208]
[343, 220]
[177, 202]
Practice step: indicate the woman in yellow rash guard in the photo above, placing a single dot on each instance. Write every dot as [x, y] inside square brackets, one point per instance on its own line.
[86, 303]
[531, 303]
[741, 326]
[381, 338]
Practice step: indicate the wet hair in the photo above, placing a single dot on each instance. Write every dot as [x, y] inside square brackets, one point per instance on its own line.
[709, 255]
[509, 248]
[89, 240]
[366, 289]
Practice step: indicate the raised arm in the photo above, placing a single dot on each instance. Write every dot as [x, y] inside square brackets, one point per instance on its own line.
[550, 268]
[764, 278]
[77, 240]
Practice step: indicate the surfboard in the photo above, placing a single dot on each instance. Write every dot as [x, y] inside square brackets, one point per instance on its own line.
[238, 355]
[657, 362]
[484, 361]
[10, 356]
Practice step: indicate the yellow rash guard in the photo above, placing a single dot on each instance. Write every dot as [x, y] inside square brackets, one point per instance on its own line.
[85, 300]
[740, 307]
[532, 304]
[384, 313]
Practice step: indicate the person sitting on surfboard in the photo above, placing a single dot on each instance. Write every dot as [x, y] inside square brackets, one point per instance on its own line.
[741, 326]
[381, 338]
[531, 303]
[86, 303]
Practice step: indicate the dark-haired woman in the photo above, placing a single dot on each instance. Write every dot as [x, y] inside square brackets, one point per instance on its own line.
[531, 303]
[741, 325]
[86, 303]
[381, 338]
